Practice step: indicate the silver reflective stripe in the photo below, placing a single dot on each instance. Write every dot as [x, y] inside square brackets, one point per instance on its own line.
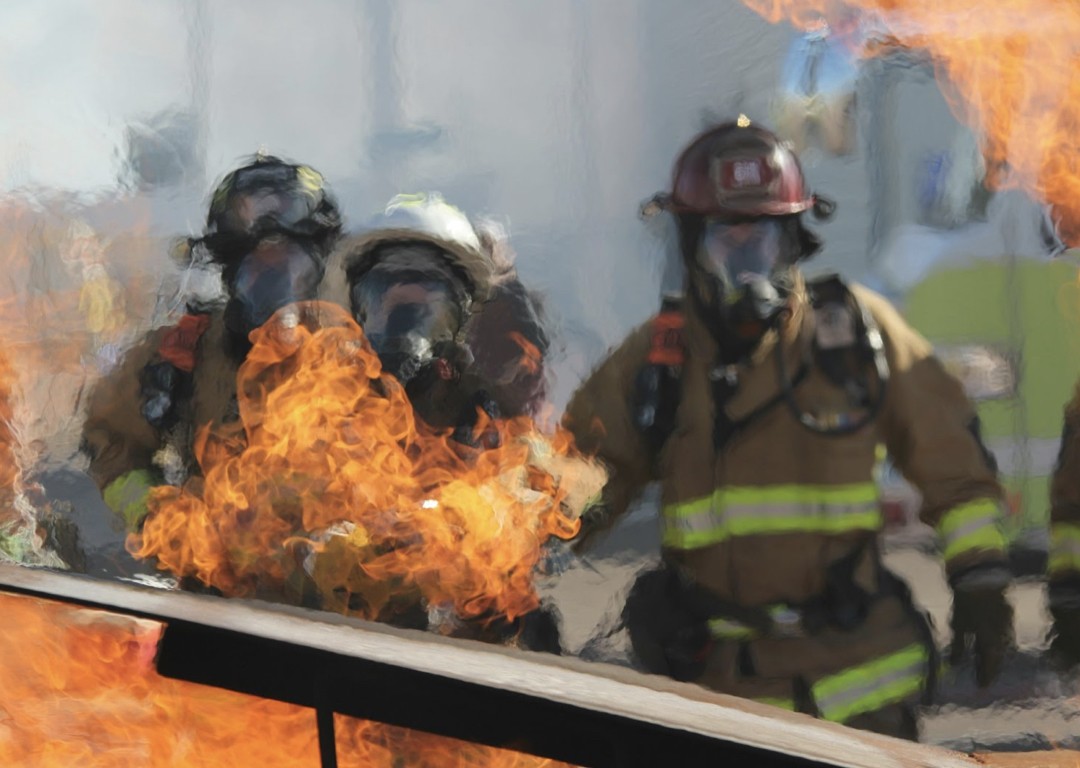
[764, 510]
[967, 529]
[726, 517]
[854, 694]
[1066, 548]
[874, 693]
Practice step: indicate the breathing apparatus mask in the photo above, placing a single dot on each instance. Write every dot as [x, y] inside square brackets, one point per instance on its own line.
[741, 274]
[277, 271]
[412, 305]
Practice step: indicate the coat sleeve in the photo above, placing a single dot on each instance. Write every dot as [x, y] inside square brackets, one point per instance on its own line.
[116, 436]
[931, 430]
[599, 417]
[1064, 560]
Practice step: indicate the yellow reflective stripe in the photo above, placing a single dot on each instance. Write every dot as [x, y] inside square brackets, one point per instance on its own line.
[419, 200]
[723, 628]
[972, 526]
[772, 701]
[310, 179]
[408, 200]
[748, 511]
[729, 629]
[1064, 548]
[873, 685]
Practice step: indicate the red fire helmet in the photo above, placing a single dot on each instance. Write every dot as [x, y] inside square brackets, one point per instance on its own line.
[738, 170]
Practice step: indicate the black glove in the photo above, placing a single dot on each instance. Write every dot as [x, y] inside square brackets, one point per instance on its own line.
[667, 638]
[982, 620]
[162, 384]
[1065, 633]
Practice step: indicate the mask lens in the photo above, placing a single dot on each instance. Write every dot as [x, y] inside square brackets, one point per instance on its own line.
[272, 276]
[401, 309]
[740, 252]
[408, 304]
[404, 321]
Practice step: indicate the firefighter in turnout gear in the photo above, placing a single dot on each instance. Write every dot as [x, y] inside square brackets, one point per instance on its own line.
[758, 401]
[270, 227]
[1063, 564]
[445, 312]
[443, 309]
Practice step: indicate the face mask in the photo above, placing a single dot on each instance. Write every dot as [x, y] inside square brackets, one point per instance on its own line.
[276, 273]
[740, 253]
[737, 285]
[410, 306]
[405, 322]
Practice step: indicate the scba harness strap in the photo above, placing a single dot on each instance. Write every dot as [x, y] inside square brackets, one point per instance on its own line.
[657, 385]
[847, 343]
[847, 346]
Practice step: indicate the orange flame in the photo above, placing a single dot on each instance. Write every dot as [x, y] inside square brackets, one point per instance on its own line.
[329, 482]
[1009, 68]
[63, 315]
[531, 359]
[78, 687]
[72, 297]
[9, 466]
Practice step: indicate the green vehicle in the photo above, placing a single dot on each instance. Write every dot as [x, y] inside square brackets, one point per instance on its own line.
[981, 274]
[1008, 328]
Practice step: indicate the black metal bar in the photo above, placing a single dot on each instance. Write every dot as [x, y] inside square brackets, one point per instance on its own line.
[435, 704]
[324, 720]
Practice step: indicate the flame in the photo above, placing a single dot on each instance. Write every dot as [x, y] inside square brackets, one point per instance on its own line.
[328, 482]
[22, 502]
[365, 743]
[78, 687]
[531, 360]
[1009, 68]
[10, 472]
[72, 299]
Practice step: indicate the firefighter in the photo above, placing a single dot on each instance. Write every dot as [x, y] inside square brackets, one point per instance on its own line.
[270, 228]
[758, 401]
[1063, 564]
[442, 306]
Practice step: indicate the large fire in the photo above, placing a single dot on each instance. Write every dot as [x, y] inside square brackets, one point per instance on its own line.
[21, 540]
[1011, 71]
[65, 316]
[328, 481]
[78, 687]
[9, 466]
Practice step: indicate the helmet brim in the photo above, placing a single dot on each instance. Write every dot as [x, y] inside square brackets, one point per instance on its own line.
[357, 253]
[764, 208]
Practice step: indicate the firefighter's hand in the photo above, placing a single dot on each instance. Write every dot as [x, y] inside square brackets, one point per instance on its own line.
[982, 621]
[1065, 633]
[128, 495]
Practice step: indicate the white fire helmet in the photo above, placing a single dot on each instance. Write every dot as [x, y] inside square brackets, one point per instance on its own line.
[423, 217]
